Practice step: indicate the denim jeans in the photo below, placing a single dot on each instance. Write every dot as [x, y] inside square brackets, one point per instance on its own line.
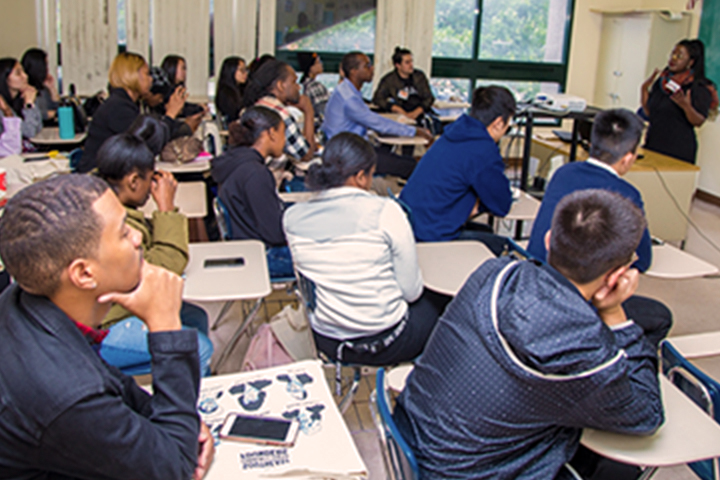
[279, 263]
[126, 345]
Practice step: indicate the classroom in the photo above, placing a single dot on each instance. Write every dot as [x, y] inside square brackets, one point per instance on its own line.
[402, 239]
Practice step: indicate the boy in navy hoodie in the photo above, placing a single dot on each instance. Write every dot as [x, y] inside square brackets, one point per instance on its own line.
[463, 173]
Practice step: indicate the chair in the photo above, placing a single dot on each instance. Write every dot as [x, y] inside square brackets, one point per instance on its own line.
[405, 207]
[399, 458]
[703, 390]
[305, 291]
[223, 219]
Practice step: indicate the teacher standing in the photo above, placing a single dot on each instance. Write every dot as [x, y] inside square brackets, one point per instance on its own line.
[677, 101]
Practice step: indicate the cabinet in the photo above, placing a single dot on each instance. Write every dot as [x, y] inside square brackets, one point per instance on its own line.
[632, 45]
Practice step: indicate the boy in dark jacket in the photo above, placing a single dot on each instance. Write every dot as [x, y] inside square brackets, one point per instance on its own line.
[529, 354]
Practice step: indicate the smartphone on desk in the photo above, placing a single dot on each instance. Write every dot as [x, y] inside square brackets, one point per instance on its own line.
[262, 430]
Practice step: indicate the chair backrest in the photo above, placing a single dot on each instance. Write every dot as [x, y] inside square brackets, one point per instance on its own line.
[223, 219]
[306, 291]
[701, 389]
[211, 138]
[405, 207]
[399, 458]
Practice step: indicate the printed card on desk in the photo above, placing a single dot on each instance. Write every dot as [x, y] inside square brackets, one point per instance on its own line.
[324, 447]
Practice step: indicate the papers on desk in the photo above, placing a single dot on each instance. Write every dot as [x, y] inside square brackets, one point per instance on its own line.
[324, 448]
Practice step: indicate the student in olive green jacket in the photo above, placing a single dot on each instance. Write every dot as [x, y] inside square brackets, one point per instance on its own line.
[128, 165]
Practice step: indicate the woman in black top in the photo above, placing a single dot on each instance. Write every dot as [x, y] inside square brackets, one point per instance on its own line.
[248, 188]
[678, 101]
[130, 80]
[230, 88]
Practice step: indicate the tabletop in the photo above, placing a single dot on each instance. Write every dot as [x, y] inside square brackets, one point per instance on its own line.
[446, 265]
[324, 447]
[688, 435]
[403, 140]
[200, 164]
[296, 197]
[51, 136]
[672, 263]
[239, 271]
[190, 199]
[524, 208]
[399, 117]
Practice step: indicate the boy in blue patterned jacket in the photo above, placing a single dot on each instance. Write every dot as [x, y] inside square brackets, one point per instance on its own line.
[529, 354]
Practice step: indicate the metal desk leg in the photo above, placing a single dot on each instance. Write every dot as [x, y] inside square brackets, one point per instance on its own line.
[236, 336]
[647, 473]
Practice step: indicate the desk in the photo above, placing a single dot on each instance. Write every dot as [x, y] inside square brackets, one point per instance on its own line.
[324, 447]
[649, 175]
[671, 262]
[296, 197]
[446, 265]
[448, 105]
[20, 173]
[402, 141]
[199, 165]
[190, 198]
[249, 280]
[398, 117]
[397, 377]
[688, 435]
[50, 136]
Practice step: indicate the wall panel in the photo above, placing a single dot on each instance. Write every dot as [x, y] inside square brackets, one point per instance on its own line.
[183, 28]
[235, 30]
[88, 31]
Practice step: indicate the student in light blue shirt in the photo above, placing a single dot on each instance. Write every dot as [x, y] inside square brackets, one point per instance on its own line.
[346, 111]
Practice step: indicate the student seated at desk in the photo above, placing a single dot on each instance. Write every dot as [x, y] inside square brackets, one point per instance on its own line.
[230, 88]
[175, 68]
[528, 354]
[35, 64]
[463, 174]
[128, 165]
[358, 250]
[17, 98]
[346, 111]
[247, 186]
[614, 140]
[65, 412]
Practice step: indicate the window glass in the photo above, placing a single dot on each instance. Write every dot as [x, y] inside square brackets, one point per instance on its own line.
[451, 89]
[523, 91]
[331, 80]
[523, 30]
[328, 26]
[454, 24]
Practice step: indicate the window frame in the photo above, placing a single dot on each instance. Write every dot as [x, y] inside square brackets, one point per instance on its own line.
[473, 68]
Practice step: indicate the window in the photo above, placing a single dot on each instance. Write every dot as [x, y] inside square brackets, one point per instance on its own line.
[522, 44]
[331, 28]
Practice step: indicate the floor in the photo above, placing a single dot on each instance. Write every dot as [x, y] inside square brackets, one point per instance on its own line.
[694, 303]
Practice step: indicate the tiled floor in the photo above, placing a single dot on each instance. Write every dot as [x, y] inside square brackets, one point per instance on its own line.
[694, 303]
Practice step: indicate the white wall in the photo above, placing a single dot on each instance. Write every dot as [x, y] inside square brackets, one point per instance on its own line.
[18, 30]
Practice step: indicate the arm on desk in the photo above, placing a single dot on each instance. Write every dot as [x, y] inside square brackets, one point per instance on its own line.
[492, 187]
[627, 396]
[359, 113]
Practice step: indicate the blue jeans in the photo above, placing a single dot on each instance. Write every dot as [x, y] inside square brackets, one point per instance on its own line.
[126, 345]
[280, 263]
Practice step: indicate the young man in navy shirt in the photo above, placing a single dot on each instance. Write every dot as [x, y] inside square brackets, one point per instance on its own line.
[614, 140]
[463, 173]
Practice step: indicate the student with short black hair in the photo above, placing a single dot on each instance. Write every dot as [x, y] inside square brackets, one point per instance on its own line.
[66, 413]
[359, 251]
[247, 187]
[18, 98]
[537, 353]
[128, 165]
[34, 62]
[613, 150]
[463, 173]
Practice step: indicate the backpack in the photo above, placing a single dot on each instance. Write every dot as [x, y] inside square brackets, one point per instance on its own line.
[286, 339]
